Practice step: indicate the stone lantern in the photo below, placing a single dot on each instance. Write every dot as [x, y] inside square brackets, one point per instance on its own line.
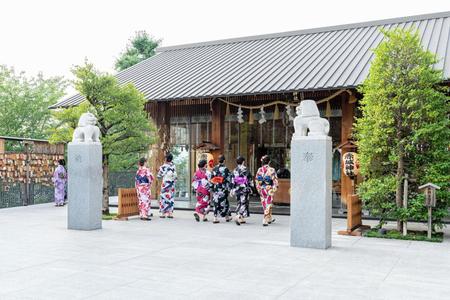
[430, 201]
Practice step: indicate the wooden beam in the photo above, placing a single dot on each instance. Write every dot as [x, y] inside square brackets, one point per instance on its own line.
[218, 127]
[159, 150]
[348, 113]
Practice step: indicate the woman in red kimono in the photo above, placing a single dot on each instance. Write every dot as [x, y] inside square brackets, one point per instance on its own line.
[266, 184]
[202, 188]
[144, 179]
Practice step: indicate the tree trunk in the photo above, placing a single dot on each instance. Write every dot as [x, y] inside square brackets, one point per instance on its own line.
[399, 178]
[105, 209]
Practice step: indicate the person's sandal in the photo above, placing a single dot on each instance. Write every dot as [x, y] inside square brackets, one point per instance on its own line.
[146, 219]
[162, 217]
[205, 220]
[216, 222]
[271, 221]
[197, 217]
[170, 217]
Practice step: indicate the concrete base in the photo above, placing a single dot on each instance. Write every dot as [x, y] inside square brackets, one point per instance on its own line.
[311, 192]
[85, 186]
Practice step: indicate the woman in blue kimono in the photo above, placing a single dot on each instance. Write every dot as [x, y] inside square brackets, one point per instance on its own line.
[168, 174]
[242, 187]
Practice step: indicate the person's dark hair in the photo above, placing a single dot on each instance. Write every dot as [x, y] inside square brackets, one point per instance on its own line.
[221, 158]
[62, 162]
[142, 161]
[169, 157]
[202, 163]
[265, 159]
[240, 160]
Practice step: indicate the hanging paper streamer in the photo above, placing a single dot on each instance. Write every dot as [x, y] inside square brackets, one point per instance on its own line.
[276, 113]
[262, 113]
[251, 119]
[289, 113]
[328, 110]
[240, 116]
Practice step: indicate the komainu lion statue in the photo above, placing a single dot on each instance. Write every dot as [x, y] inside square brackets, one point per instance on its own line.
[87, 131]
[308, 117]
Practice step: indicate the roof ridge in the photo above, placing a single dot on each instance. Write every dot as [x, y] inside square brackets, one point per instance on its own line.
[308, 31]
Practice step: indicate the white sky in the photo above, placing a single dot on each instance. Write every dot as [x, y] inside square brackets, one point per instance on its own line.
[51, 36]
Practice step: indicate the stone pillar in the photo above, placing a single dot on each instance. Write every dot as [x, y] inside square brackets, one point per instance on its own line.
[85, 186]
[311, 180]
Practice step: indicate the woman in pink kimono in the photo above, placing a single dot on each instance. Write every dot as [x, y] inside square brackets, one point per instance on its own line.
[143, 182]
[59, 180]
[202, 188]
[266, 184]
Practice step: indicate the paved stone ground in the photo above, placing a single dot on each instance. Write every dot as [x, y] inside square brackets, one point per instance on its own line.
[182, 259]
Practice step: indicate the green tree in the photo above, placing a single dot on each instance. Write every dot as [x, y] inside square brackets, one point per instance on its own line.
[24, 103]
[140, 47]
[123, 123]
[404, 128]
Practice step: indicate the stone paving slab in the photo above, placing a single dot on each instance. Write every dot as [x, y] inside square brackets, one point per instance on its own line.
[183, 259]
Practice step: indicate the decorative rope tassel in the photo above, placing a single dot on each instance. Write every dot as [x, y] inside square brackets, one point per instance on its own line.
[276, 113]
[262, 114]
[328, 110]
[251, 119]
[240, 116]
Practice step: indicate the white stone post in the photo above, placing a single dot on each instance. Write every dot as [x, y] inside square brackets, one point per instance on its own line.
[85, 180]
[310, 179]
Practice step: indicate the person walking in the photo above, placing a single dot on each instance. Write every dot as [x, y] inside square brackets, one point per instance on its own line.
[202, 186]
[266, 185]
[143, 182]
[168, 174]
[242, 184]
[59, 180]
[221, 182]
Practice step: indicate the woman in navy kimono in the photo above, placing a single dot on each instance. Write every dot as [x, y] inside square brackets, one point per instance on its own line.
[221, 182]
[242, 187]
[168, 174]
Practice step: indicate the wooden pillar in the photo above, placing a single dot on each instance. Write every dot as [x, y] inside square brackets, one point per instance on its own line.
[218, 128]
[159, 150]
[348, 113]
[2, 146]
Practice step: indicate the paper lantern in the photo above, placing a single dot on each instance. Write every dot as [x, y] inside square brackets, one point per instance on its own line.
[350, 164]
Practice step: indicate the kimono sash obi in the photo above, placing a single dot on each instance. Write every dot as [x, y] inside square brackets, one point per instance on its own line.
[217, 179]
[266, 180]
[202, 190]
[142, 179]
[240, 180]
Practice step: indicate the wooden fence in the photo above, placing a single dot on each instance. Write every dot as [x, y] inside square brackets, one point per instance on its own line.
[128, 203]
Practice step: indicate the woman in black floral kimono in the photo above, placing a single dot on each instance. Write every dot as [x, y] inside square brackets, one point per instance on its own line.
[221, 180]
[242, 187]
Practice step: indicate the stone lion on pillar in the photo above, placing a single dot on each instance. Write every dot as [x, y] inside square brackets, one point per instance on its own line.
[308, 117]
[87, 131]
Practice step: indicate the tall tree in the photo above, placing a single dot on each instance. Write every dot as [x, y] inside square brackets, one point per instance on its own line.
[404, 128]
[119, 109]
[24, 103]
[141, 46]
